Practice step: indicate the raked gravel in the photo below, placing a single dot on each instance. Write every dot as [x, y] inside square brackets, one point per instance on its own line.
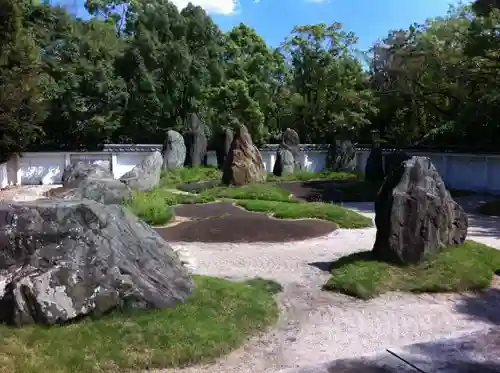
[316, 326]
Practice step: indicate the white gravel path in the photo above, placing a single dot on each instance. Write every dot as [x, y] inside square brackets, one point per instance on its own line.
[317, 326]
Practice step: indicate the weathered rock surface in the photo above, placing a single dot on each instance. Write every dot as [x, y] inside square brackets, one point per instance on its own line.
[146, 175]
[223, 145]
[284, 165]
[60, 260]
[374, 168]
[196, 141]
[341, 156]
[174, 151]
[82, 170]
[416, 217]
[93, 182]
[106, 191]
[243, 164]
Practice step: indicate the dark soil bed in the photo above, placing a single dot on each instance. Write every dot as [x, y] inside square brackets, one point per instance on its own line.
[314, 191]
[223, 222]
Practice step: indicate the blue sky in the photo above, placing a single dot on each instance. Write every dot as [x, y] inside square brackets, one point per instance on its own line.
[274, 19]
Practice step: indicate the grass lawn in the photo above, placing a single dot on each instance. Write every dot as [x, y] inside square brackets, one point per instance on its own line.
[172, 178]
[155, 207]
[218, 317]
[264, 191]
[460, 268]
[345, 218]
[308, 175]
[491, 208]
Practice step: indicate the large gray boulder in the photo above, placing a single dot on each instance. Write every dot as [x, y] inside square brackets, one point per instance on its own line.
[196, 141]
[91, 181]
[106, 191]
[174, 151]
[146, 175]
[82, 170]
[416, 217]
[288, 154]
[61, 260]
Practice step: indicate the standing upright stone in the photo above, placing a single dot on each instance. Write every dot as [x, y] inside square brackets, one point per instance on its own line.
[243, 164]
[146, 175]
[415, 215]
[174, 151]
[341, 156]
[374, 168]
[223, 145]
[288, 154]
[196, 141]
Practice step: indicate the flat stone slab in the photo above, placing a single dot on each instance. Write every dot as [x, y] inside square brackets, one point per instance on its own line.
[478, 351]
[382, 362]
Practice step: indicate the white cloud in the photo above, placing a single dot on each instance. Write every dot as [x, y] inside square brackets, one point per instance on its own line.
[225, 7]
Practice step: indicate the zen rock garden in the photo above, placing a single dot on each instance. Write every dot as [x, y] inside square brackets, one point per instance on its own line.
[158, 268]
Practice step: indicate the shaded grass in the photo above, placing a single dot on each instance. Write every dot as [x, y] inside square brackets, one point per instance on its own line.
[218, 317]
[459, 268]
[172, 178]
[308, 175]
[345, 218]
[264, 191]
[491, 208]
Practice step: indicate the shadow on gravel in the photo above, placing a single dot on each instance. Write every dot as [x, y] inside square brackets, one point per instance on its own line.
[483, 306]
[322, 266]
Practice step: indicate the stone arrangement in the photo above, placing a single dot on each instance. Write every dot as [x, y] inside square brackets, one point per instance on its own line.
[416, 217]
[195, 141]
[288, 154]
[243, 163]
[79, 252]
[174, 151]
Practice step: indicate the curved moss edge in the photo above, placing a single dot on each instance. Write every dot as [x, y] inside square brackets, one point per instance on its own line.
[462, 268]
[491, 208]
[343, 217]
[217, 318]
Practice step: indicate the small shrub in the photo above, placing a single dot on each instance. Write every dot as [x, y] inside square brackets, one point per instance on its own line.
[150, 207]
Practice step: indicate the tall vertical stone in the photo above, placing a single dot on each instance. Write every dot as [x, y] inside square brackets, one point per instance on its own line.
[196, 141]
[223, 144]
[174, 151]
[243, 164]
[288, 154]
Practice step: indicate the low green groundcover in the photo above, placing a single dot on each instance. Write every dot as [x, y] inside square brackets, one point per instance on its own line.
[459, 268]
[344, 218]
[218, 317]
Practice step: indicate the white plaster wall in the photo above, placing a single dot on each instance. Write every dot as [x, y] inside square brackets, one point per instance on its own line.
[479, 173]
[41, 168]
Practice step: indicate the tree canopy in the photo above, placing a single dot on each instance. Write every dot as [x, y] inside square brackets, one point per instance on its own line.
[137, 68]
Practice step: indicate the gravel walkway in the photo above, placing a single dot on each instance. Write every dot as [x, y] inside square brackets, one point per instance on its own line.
[316, 326]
